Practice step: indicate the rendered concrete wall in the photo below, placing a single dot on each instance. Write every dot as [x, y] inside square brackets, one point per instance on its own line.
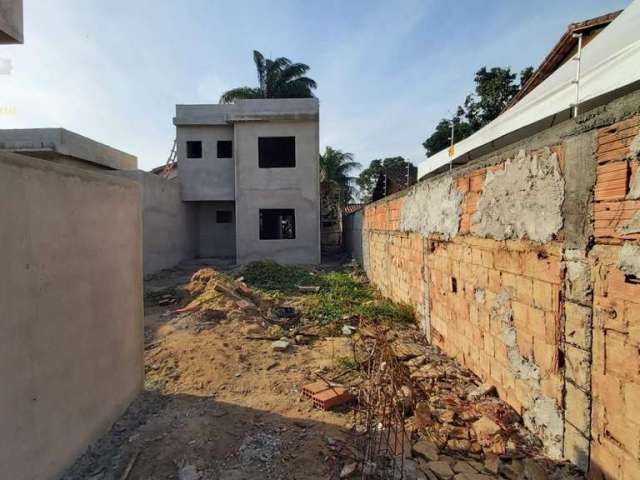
[296, 188]
[352, 225]
[525, 269]
[215, 239]
[59, 144]
[71, 332]
[208, 178]
[11, 24]
[170, 226]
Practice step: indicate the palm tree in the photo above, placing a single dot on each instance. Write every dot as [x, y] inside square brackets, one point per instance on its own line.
[335, 166]
[277, 78]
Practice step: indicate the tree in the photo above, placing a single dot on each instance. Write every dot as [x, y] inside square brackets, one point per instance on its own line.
[369, 176]
[279, 78]
[494, 89]
[335, 166]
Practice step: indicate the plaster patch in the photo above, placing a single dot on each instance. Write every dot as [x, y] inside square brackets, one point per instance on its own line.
[629, 259]
[632, 227]
[541, 414]
[432, 207]
[480, 295]
[524, 199]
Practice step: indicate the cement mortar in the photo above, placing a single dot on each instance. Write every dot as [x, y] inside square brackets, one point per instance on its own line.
[633, 226]
[432, 207]
[540, 413]
[629, 259]
[524, 199]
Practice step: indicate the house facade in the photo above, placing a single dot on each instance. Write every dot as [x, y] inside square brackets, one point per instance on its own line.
[251, 171]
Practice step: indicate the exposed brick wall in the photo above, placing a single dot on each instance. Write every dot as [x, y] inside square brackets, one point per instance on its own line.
[465, 277]
[615, 447]
[396, 263]
[612, 209]
[574, 315]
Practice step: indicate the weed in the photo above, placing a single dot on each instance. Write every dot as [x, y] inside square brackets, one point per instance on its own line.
[346, 363]
[342, 295]
[275, 278]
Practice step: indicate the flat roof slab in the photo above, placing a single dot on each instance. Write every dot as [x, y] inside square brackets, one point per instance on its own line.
[40, 141]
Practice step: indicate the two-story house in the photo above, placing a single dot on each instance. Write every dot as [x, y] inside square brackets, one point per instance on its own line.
[251, 169]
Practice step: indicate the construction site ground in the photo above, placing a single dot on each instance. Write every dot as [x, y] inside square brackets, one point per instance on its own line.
[221, 403]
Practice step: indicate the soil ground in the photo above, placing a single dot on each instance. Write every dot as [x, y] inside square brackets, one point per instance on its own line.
[218, 405]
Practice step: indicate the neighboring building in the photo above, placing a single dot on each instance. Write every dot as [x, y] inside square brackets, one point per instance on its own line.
[65, 147]
[564, 50]
[11, 21]
[251, 168]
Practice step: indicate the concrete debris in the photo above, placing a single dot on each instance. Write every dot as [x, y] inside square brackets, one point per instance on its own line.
[441, 469]
[427, 450]
[348, 330]
[523, 199]
[485, 429]
[481, 391]
[280, 345]
[308, 288]
[348, 470]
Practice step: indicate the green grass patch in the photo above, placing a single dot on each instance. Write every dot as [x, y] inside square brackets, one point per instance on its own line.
[275, 278]
[346, 363]
[342, 295]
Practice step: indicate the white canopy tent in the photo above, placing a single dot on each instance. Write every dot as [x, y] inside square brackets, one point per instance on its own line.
[610, 62]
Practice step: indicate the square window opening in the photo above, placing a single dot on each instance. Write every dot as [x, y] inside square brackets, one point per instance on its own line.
[225, 149]
[276, 152]
[277, 224]
[224, 216]
[194, 149]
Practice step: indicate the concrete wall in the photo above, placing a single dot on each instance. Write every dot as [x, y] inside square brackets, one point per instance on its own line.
[59, 144]
[296, 188]
[523, 264]
[170, 226]
[215, 239]
[208, 178]
[352, 228]
[71, 333]
[11, 24]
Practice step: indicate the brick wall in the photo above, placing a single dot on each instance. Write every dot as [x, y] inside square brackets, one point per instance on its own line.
[615, 449]
[556, 328]
[612, 209]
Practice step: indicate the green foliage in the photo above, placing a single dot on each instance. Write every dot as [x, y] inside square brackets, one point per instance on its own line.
[273, 277]
[389, 313]
[493, 91]
[335, 166]
[342, 295]
[346, 363]
[367, 179]
[279, 78]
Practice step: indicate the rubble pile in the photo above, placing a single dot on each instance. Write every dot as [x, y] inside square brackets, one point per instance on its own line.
[452, 425]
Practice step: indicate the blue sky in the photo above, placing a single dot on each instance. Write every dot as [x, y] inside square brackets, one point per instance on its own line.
[387, 71]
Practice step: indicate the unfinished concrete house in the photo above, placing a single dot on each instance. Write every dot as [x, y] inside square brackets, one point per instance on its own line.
[251, 172]
[520, 249]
